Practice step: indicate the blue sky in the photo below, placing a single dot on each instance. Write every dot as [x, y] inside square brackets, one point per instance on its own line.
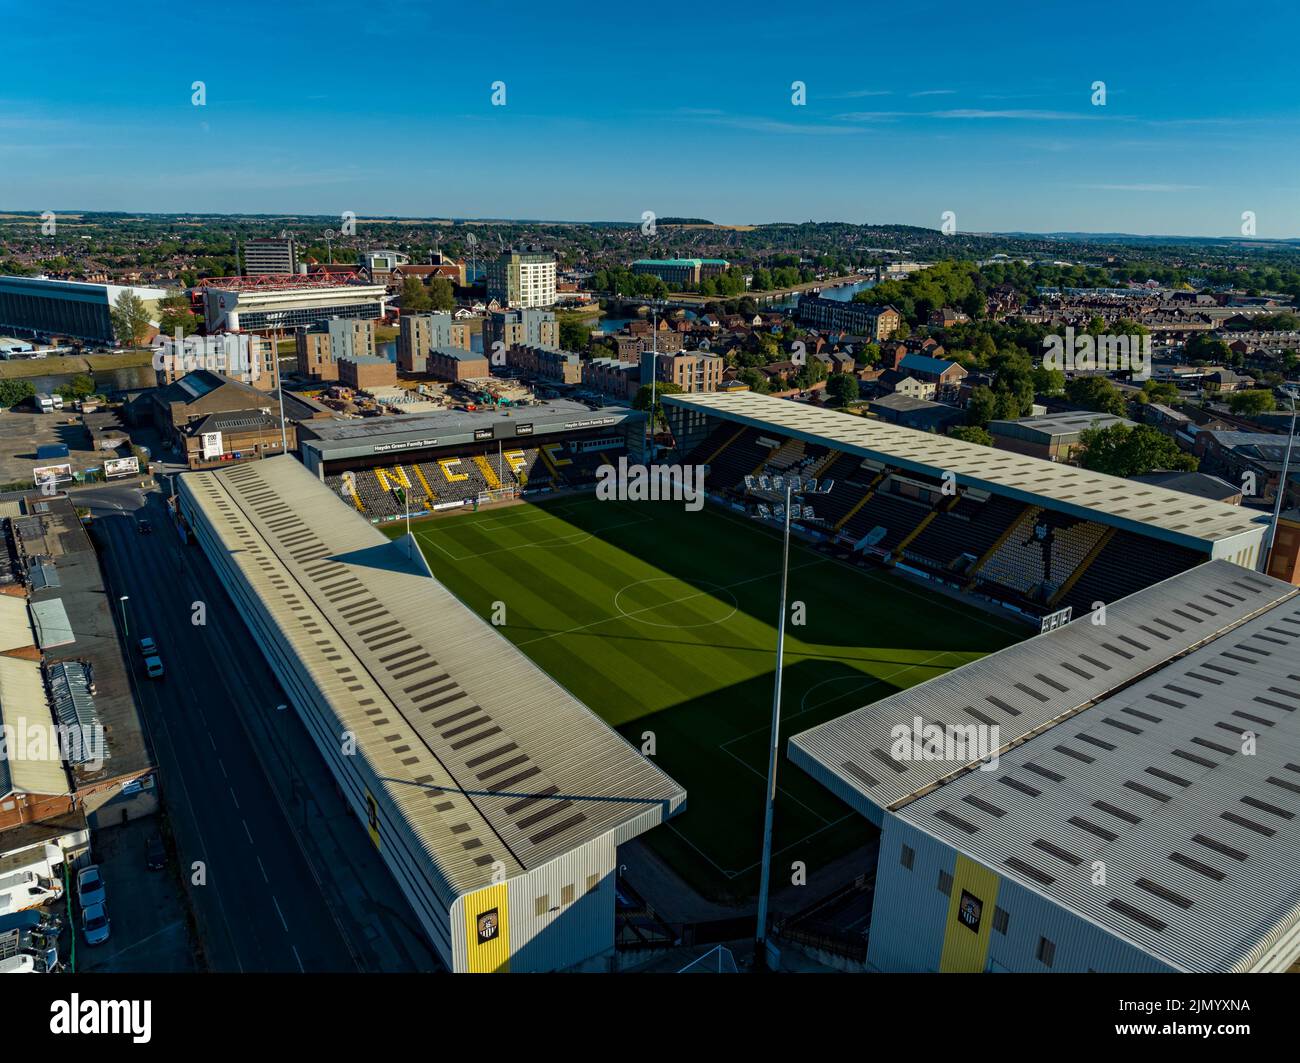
[615, 109]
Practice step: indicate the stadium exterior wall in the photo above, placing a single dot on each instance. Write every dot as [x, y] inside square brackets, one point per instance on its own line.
[914, 926]
[561, 936]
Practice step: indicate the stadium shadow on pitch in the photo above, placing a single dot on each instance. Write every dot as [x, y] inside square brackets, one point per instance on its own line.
[846, 606]
[716, 745]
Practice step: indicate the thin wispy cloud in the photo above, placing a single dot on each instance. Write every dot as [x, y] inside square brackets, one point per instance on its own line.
[934, 92]
[1142, 188]
[857, 94]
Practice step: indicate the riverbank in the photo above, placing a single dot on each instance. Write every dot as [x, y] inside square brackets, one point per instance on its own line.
[24, 368]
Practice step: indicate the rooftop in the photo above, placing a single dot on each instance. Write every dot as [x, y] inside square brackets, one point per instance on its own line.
[434, 694]
[1146, 509]
[1122, 743]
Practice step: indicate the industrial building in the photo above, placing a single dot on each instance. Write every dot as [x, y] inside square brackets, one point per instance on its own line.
[42, 307]
[496, 799]
[1117, 796]
[1053, 436]
[277, 302]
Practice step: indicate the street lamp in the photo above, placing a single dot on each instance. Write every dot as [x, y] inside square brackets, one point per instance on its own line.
[1281, 483]
[122, 603]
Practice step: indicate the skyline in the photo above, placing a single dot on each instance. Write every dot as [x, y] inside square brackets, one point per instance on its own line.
[908, 114]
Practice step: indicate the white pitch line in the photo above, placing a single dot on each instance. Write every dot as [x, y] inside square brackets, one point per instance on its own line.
[631, 614]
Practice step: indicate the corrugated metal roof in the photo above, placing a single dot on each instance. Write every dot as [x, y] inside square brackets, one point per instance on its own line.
[15, 628]
[1027, 687]
[1200, 841]
[32, 762]
[53, 628]
[75, 708]
[488, 758]
[1179, 517]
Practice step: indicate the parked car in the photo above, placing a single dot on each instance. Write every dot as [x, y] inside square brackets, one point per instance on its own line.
[90, 886]
[94, 924]
[154, 667]
[148, 648]
[155, 853]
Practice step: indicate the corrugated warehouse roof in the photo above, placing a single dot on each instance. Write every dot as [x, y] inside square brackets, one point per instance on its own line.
[53, 628]
[1151, 777]
[15, 627]
[32, 762]
[487, 758]
[1028, 687]
[1146, 509]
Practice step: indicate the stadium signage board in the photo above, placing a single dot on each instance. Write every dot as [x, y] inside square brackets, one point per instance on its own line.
[591, 422]
[523, 429]
[482, 433]
[412, 444]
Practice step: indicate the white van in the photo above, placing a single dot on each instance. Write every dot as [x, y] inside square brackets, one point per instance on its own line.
[43, 402]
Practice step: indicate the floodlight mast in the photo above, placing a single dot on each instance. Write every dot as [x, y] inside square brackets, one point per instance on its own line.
[760, 938]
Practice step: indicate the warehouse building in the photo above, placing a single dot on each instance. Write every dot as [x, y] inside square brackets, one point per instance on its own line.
[496, 799]
[41, 307]
[1113, 797]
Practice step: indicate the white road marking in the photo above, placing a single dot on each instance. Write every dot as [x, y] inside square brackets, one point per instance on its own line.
[280, 914]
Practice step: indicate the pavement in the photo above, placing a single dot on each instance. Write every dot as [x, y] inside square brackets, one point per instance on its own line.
[279, 874]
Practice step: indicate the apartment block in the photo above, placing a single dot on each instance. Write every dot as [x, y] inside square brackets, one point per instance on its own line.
[522, 278]
[418, 334]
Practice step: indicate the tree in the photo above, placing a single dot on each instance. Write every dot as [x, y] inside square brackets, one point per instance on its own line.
[79, 387]
[415, 296]
[442, 295]
[175, 314]
[1123, 451]
[1161, 391]
[1048, 381]
[1248, 403]
[843, 388]
[1096, 393]
[982, 407]
[12, 392]
[575, 332]
[972, 434]
[642, 400]
[130, 320]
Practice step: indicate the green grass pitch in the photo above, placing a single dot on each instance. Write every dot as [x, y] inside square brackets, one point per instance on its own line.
[663, 620]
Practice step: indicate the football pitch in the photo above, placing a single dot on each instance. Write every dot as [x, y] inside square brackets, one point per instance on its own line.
[663, 621]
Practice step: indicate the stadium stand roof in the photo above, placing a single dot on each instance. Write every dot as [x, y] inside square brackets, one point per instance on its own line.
[487, 757]
[1135, 758]
[1143, 508]
[334, 440]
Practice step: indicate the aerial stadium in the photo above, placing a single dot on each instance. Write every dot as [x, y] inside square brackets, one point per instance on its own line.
[914, 557]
